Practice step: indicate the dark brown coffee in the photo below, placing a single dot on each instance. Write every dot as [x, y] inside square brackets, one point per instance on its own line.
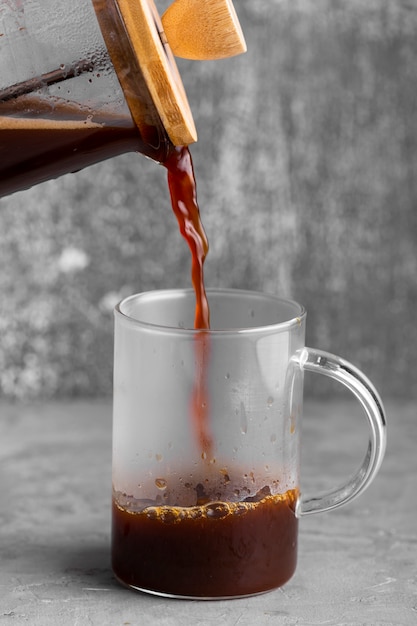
[39, 142]
[218, 549]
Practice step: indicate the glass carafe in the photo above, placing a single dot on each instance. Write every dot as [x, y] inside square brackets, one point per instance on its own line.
[82, 81]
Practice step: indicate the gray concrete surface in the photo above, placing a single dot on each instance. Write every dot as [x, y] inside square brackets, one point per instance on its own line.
[357, 565]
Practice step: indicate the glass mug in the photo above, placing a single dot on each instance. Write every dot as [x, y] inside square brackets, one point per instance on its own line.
[206, 442]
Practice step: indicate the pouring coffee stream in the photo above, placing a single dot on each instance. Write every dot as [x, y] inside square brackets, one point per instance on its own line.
[181, 182]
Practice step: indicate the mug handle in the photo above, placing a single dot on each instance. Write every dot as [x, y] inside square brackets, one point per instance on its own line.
[312, 360]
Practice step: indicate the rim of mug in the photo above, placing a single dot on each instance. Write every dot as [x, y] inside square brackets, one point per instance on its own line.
[281, 326]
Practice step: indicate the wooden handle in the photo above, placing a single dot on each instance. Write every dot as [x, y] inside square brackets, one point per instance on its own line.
[203, 29]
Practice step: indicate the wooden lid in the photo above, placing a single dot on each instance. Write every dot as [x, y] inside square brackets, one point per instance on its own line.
[203, 29]
[159, 69]
[216, 34]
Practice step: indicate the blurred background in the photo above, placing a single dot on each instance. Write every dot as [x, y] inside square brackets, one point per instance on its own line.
[306, 170]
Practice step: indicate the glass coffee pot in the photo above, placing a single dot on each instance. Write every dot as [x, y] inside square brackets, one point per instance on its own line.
[86, 80]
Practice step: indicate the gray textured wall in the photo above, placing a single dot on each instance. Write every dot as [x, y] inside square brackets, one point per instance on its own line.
[306, 166]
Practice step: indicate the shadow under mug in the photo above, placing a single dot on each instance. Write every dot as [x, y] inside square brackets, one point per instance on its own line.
[206, 442]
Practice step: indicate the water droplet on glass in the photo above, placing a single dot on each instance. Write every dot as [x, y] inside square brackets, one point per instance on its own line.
[273, 438]
[243, 419]
[270, 401]
[161, 483]
[159, 457]
[227, 377]
[225, 475]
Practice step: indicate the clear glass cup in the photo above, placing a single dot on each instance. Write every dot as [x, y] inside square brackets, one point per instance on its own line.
[206, 442]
